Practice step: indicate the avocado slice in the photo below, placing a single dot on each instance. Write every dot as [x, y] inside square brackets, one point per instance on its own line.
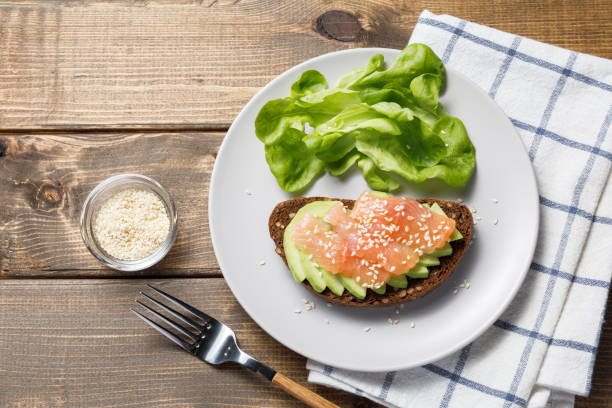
[381, 290]
[300, 265]
[446, 250]
[418, 272]
[353, 286]
[333, 282]
[438, 210]
[398, 281]
[428, 260]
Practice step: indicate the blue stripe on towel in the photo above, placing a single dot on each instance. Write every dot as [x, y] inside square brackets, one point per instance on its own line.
[563, 140]
[576, 345]
[475, 385]
[522, 56]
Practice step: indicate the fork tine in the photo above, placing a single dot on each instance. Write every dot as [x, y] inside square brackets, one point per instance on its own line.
[174, 313]
[169, 322]
[181, 343]
[182, 304]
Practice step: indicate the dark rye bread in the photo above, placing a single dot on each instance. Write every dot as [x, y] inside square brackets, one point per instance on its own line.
[286, 210]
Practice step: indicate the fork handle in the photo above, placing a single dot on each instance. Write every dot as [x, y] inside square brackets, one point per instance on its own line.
[302, 393]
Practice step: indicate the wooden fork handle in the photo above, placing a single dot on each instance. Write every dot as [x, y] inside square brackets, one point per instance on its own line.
[303, 394]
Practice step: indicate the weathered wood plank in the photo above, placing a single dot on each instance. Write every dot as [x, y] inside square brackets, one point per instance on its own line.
[75, 343]
[69, 64]
[45, 179]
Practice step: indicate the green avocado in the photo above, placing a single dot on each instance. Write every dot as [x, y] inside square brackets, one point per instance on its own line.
[446, 250]
[381, 290]
[456, 234]
[428, 260]
[418, 272]
[299, 263]
[353, 286]
[398, 281]
[302, 267]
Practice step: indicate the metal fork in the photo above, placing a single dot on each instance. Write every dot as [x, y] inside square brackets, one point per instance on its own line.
[213, 342]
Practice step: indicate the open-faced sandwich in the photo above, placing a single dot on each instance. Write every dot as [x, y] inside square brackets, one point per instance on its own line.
[376, 251]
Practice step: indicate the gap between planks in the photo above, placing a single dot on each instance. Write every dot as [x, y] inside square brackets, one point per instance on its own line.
[117, 129]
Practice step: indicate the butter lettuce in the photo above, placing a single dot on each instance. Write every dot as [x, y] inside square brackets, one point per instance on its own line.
[387, 121]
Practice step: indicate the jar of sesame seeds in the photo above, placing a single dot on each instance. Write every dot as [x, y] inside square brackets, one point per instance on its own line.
[129, 222]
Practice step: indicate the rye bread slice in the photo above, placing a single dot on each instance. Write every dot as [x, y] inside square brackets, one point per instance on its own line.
[286, 210]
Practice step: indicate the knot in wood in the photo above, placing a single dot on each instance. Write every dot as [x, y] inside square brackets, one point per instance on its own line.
[3, 147]
[339, 25]
[49, 196]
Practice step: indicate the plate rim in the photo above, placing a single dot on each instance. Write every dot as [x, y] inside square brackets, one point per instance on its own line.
[525, 266]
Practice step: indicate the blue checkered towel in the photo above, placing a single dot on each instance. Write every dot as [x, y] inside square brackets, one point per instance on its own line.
[545, 343]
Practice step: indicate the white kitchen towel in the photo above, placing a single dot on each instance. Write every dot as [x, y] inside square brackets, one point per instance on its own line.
[540, 352]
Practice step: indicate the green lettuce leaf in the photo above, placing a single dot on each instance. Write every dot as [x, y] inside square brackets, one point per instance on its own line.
[278, 115]
[309, 82]
[341, 166]
[387, 121]
[375, 178]
[293, 165]
[414, 60]
[376, 63]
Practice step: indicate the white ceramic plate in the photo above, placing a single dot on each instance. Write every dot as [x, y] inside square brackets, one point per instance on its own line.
[495, 264]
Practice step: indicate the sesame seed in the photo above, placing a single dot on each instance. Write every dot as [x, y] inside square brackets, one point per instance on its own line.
[473, 210]
[396, 321]
[329, 304]
[459, 200]
[390, 320]
[408, 147]
[291, 215]
[262, 263]
[495, 200]
[367, 329]
[297, 311]
[248, 192]
[446, 144]
[308, 307]
[305, 301]
[412, 324]
[455, 291]
[326, 321]
[397, 311]
[495, 221]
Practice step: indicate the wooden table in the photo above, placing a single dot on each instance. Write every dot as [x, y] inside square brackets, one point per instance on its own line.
[93, 89]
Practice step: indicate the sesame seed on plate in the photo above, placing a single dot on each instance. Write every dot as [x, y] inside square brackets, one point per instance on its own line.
[329, 304]
[367, 329]
[412, 324]
[326, 321]
[459, 200]
[262, 262]
[248, 192]
[390, 320]
[495, 200]
[297, 311]
[495, 221]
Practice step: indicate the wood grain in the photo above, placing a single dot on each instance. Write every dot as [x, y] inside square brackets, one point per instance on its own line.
[44, 180]
[194, 64]
[75, 343]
